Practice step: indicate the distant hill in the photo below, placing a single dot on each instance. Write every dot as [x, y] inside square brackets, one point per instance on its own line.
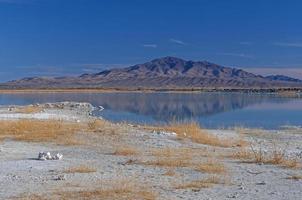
[166, 72]
[283, 78]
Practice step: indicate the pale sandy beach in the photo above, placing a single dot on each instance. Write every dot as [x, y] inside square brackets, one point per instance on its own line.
[104, 160]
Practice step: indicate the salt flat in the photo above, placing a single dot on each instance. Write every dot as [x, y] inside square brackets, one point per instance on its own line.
[104, 160]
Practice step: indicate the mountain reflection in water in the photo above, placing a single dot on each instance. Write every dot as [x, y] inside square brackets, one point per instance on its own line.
[155, 107]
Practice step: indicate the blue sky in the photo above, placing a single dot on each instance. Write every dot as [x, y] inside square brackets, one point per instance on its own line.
[70, 37]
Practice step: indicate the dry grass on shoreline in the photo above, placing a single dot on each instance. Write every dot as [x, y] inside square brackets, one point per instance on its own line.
[28, 109]
[185, 157]
[295, 177]
[170, 157]
[118, 192]
[40, 130]
[169, 172]
[124, 189]
[276, 157]
[126, 151]
[199, 184]
[57, 131]
[80, 169]
[195, 133]
[212, 166]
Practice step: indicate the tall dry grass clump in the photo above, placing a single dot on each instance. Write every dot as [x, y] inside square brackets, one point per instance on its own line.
[96, 125]
[295, 177]
[195, 133]
[126, 151]
[80, 169]
[28, 109]
[40, 130]
[202, 183]
[276, 157]
[58, 131]
[171, 157]
[114, 189]
[120, 189]
[211, 166]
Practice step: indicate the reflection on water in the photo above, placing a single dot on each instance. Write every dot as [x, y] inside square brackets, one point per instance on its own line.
[210, 109]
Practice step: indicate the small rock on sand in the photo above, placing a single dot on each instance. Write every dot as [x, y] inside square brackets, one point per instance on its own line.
[48, 156]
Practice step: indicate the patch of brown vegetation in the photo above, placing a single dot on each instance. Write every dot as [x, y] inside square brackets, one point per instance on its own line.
[294, 177]
[199, 184]
[126, 151]
[115, 189]
[276, 157]
[169, 172]
[212, 166]
[171, 157]
[122, 193]
[28, 109]
[80, 169]
[183, 153]
[168, 162]
[40, 130]
[58, 131]
[123, 189]
[186, 157]
[97, 125]
[195, 133]
[30, 197]
[242, 154]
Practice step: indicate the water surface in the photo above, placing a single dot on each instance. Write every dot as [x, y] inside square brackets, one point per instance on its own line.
[211, 110]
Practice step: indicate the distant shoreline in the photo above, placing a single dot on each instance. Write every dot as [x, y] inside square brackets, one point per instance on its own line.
[104, 90]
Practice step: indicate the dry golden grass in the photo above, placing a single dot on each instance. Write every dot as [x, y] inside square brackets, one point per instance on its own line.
[124, 189]
[28, 109]
[40, 130]
[171, 157]
[126, 151]
[212, 166]
[117, 194]
[276, 157]
[30, 197]
[294, 177]
[242, 155]
[168, 162]
[91, 133]
[195, 133]
[199, 184]
[80, 169]
[114, 189]
[183, 153]
[169, 172]
[186, 157]
[97, 124]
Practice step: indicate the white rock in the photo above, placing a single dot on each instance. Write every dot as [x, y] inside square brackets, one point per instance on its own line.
[48, 156]
[166, 133]
[58, 156]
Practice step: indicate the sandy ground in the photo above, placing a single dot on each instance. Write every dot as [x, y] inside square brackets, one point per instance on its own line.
[22, 176]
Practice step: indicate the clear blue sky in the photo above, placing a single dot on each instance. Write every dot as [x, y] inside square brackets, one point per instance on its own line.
[60, 37]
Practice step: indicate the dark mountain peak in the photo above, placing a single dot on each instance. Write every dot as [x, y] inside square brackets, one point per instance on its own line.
[172, 61]
[166, 63]
[168, 60]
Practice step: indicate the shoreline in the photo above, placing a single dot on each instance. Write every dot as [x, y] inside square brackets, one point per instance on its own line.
[109, 160]
[172, 90]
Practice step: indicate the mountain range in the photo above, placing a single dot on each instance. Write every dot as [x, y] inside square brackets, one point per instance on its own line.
[164, 73]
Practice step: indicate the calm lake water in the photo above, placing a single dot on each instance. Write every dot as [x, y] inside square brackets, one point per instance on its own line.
[211, 110]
